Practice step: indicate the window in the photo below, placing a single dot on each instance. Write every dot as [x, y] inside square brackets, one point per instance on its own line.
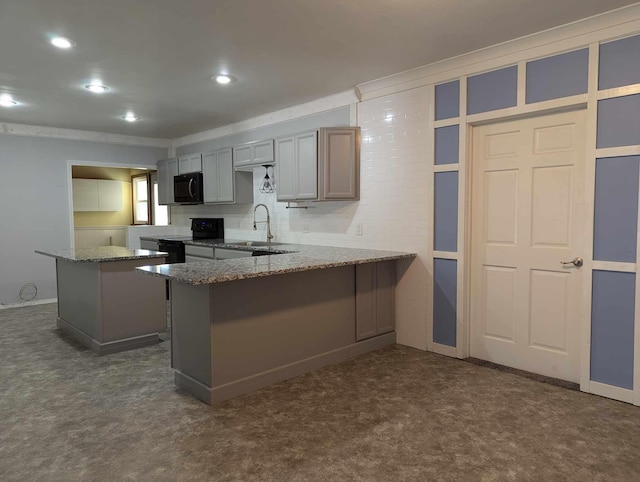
[140, 186]
[160, 214]
[146, 209]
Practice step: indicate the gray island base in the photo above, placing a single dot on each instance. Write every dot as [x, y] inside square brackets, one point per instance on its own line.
[104, 302]
[234, 337]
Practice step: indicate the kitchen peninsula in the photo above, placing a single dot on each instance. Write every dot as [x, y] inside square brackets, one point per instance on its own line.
[104, 303]
[242, 324]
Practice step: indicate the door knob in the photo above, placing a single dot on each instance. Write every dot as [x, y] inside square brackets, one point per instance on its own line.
[577, 262]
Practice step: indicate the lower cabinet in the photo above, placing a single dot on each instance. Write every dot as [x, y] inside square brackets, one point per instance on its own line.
[194, 253]
[375, 299]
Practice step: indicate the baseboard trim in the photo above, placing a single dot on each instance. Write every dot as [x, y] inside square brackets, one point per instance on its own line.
[260, 380]
[109, 347]
[28, 303]
[610, 391]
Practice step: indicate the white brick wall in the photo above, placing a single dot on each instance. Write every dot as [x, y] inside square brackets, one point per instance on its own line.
[392, 206]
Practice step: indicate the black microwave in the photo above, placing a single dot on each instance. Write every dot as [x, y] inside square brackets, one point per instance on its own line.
[187, 188]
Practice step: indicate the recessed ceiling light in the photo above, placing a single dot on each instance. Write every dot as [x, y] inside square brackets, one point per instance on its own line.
[130, 117]
[7, 101]
[223, 79]
[96, 88]
[62, 42]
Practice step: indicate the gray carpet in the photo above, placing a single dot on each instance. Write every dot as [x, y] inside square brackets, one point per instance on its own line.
[394, 414]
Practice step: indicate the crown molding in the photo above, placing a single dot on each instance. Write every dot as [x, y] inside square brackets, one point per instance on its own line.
[80, 135]
[341, 99]
[606, 26]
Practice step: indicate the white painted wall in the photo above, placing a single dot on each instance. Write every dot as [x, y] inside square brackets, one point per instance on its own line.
[34, 203]
[392, 206]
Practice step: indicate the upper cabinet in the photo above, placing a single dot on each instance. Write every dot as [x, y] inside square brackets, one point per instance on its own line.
[190, 163]
[253, 154]
[97, 195]
[221, 183]
[167, 169]
[319, 165]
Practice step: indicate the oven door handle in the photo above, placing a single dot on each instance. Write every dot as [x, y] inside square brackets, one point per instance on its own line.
[191, 194]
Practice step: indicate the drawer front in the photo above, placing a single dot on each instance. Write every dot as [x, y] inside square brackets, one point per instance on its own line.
[200, 251]
[150, 245]
[224, 253]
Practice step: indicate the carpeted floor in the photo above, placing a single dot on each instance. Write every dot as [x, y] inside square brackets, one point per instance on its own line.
[393, 415]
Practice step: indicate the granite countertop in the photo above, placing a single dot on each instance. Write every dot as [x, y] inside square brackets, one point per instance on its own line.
[294, 258]
[102, 254]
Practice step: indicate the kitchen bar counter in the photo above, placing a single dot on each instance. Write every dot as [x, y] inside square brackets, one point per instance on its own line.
[287, 258]
[241, 324]
[104, 303]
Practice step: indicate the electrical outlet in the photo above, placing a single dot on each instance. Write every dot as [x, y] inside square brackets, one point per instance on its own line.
[359, 229]
[305, 228]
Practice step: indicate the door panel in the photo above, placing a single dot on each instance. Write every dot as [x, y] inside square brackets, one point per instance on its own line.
[501, 200]
[527, 211]
[286, 170]
[499, 302]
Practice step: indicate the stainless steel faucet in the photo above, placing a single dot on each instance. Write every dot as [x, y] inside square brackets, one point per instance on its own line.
[268, 221]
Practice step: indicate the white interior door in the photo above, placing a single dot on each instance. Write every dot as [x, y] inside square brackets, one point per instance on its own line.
[527, 213]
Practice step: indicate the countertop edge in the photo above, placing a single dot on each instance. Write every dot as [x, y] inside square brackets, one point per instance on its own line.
[100, 260]
[297, 269]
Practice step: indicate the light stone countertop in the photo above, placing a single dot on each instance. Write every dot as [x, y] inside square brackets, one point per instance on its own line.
[102, 254]
[295, 258]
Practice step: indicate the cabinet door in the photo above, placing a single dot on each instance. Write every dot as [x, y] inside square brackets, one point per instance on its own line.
[263, 152]
[385, 296]
[375, 299]
[210, 177]
[307, 165]
[172, 171]
[163, 196]
[225, 176]
[365, 301]
[243, 155]
[338, 155]
[85, 194]
[109, 195]
[190, 163]
[286, 183]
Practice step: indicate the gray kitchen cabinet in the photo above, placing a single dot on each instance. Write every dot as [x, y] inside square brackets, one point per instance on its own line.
[253, 154]
[190, 163]
[375, 299]
[194, 253]
[320, 165]
[167, 169]
[148, 244]
[221, 183]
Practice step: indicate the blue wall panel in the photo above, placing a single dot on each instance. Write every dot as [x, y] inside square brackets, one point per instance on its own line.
[620, 63]
[619, 121]
[559, 76]
[491, 91]
[446, 211]
[612, 328]
[447, 145]
[616, 209]
[448, 100]
[445, 285]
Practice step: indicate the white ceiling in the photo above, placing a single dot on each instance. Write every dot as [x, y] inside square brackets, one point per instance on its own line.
[158, 56]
